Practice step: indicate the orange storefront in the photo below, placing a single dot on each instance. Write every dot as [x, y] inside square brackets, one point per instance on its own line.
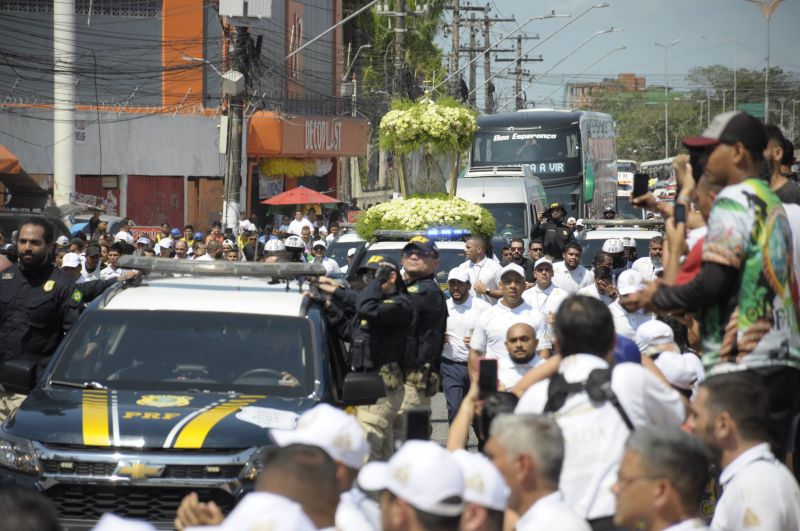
[279, 145]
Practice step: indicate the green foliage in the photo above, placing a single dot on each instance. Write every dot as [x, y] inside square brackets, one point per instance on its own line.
[424, 212]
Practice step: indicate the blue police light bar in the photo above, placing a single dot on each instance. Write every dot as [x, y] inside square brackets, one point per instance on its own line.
[434, 233]
[220, 268]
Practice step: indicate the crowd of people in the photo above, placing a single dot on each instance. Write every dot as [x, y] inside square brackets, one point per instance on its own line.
[657, 392]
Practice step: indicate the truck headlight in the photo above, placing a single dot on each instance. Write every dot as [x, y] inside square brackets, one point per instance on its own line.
[254, 464]
[17, 455]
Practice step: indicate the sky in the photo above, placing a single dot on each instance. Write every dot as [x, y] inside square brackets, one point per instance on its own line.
[643, 22]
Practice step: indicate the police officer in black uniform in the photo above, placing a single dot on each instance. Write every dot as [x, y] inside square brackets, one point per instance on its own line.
[38, 302]
[381, 317]
[552, 231]
[420, 262]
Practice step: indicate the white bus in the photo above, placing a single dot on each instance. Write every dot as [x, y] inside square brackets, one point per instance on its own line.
[662, 178]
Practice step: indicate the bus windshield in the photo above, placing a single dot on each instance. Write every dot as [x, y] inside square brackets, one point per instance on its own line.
[508, 148]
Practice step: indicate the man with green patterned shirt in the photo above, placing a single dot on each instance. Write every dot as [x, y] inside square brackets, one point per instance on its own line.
[745, 293]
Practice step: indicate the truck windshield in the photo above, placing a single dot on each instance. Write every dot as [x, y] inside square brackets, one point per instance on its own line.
[183, 351]
[509, 219]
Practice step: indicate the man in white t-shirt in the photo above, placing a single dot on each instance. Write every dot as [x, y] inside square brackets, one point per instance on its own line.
[297, 224]
[463, 311]
[544, 295]
[595, 431]
[482, 271]
[649, 266]
[569, 274]
[627, 318]
[730, 413]
[489, 337]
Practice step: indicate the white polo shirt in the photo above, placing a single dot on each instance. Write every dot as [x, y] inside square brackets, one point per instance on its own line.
[625, 322]
[692, 524]
[485, 271]
[546, 300]
[109, 273]
[592, 291]
[595, 436]
[461, 321]
[489, 337]
[571, 281]
[356, 512]
[551, 512]
[758, 492]
[646, 268]
[296, 227]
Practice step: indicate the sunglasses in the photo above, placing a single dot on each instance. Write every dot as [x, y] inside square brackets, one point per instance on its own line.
[419, 253]
[517, 248]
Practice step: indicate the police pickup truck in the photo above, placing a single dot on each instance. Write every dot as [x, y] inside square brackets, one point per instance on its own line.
[172, 385]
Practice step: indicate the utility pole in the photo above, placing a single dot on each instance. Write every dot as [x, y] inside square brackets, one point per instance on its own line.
[456, 49]
[236, 101]
[488, 97]
[518, 71]
[473, 68]
[64, 101]
[400, 16]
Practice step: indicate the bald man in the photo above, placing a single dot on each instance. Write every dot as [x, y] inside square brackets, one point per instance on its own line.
[521, 343]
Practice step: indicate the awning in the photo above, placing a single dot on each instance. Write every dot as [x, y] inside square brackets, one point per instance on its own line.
[24, 191]
[270, 135]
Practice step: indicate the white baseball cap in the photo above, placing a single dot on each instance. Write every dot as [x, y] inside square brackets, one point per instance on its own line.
[112, 522]
[483, 483]
[71, 260]
[337, 433]
[351, 251]
[627, 241]
[228, 242]
[274, 246]
[511, 268]
[263, 510]
[571, 220]
[62, 240]
[124, 237]
[543, 260]
[423, 474]
[165, 243]
[458, 273]
[319, 243]
[652, 333]
[579, 222]
[684, 371]
[613, 245]
[143, 240]
[629, 281]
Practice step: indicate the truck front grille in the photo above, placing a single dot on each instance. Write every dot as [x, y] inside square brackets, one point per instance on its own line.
[155, 504]
[83, 468]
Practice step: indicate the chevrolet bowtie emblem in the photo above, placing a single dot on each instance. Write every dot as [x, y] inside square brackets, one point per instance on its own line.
[136, 470]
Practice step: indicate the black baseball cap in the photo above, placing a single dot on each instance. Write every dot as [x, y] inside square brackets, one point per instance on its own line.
[423, 243]
[729, 128]
[377, 260]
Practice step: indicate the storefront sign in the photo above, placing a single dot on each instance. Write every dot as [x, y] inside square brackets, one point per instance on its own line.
[323, 135]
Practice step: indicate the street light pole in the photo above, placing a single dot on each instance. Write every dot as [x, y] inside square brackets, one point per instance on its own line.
[767, 8]
[735, 59]
[666, 92]
[581, 45]
[565, 83]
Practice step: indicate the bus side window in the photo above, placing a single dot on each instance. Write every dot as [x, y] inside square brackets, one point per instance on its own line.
[572, 145]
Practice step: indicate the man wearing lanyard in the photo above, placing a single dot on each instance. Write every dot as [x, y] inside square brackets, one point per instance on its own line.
[544, 295]
[481, 270]
[463, 311]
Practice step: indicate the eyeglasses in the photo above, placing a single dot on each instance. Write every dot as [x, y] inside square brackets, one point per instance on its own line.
[419, 253]
[537, 249]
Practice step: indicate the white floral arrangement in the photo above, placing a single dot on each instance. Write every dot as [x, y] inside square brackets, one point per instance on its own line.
[422, 213]
[444, 126]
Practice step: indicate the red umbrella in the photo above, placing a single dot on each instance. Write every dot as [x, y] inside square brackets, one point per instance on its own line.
[299, 196]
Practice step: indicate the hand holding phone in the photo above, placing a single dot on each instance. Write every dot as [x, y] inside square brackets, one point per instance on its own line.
[487, 377]
[679, 213]
[640, 184]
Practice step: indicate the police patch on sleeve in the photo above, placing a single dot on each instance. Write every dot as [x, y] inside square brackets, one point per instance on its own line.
[49, 285]
[8, 276]
[77, 295]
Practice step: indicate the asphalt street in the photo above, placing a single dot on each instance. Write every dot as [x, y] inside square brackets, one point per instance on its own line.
[439, 422]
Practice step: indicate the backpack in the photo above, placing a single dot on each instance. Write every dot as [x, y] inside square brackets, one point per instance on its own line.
[597, 386]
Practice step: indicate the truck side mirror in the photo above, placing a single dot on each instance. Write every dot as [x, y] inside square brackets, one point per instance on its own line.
[362, 389]
[18, 375]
